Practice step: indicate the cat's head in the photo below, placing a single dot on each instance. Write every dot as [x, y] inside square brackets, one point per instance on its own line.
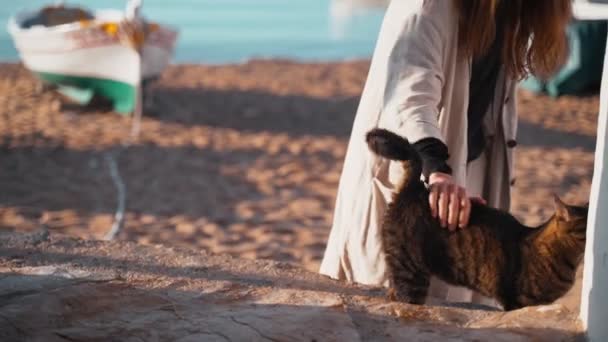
[571, 219]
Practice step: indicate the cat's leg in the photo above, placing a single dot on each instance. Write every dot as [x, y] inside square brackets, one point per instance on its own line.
[409, 282]
[511, 305]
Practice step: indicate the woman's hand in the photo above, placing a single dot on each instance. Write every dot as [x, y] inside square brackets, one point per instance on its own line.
[449, 202]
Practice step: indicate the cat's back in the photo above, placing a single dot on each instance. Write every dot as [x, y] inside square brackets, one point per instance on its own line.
[499, 223]
[477, 255]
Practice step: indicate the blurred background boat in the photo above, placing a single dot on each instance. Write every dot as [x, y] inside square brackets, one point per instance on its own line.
[106, 53]
[342, 12]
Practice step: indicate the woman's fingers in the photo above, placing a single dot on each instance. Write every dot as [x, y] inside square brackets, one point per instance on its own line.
[454, 210]
[465, 212]
[444, 198]
[449, 202]
[479, 200]
[433, 198]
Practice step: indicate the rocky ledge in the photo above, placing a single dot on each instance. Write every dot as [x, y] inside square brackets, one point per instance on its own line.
[56, 288]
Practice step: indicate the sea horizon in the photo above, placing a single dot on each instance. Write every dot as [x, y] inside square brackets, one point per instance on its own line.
[237, 31]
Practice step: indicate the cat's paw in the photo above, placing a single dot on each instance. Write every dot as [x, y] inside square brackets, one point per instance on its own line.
[391, 294]
[402, 296]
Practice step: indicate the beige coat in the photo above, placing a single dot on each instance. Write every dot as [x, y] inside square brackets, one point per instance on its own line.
[417, 86]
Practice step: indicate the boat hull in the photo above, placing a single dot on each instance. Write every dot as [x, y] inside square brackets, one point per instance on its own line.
[86, 59]
[82, 89]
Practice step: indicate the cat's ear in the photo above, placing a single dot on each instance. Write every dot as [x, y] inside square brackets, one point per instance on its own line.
[561, 209]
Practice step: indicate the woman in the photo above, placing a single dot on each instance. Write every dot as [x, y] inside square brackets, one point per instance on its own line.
[443, 75]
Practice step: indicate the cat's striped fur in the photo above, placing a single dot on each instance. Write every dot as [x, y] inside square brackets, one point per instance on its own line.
[495, 254]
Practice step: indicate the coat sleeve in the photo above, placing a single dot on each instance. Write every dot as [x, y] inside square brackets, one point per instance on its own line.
[413, 90]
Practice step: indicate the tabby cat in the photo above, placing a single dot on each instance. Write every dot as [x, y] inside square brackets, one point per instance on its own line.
[495, 255]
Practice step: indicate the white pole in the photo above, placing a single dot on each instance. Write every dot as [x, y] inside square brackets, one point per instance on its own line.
[133, 9]
[133, 14]
[594, 301]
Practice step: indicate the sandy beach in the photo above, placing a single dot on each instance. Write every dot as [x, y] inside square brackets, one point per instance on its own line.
[238, 159]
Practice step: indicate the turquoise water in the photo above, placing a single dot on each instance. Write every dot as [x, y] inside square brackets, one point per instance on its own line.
[228, 31]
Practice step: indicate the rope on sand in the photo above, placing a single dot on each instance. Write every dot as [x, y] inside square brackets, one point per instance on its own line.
[122, 195]
[118, 183]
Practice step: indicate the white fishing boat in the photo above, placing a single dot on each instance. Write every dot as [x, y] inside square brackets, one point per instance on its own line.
[106, 53]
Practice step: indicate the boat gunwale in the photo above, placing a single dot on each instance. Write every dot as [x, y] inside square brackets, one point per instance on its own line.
[15, 29]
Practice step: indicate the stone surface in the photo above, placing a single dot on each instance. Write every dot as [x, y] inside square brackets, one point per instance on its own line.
[55, 288]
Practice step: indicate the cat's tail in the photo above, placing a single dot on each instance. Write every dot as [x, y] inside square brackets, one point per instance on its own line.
[394, 147]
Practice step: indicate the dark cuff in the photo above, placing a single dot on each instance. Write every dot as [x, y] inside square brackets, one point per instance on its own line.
[434, 155]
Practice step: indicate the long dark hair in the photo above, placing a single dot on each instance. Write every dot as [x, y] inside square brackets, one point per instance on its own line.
[534, 36]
